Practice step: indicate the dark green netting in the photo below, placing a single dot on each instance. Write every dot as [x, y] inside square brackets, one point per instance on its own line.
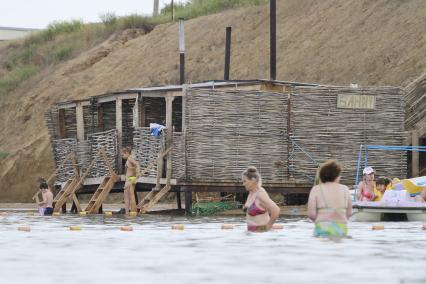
[210, 208]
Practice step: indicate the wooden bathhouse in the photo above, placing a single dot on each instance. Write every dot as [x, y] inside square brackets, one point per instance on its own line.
[215, 129]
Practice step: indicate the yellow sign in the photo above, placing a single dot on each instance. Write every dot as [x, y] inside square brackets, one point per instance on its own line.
[356, 101]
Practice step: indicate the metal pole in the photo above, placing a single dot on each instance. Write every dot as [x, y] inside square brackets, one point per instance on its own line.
[227, 53]
[182, 50]
[357, 171]
[173, 11]
[273, 41]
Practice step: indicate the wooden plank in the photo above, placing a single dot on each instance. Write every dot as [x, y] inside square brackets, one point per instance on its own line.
[76, 203]
[136, 120]
[169, 136]
[156, 198]
[80, 121]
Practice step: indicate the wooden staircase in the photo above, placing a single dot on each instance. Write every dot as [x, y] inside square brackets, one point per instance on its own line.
[156, 193]
[67, 192]
[75, 183]
[154, 197]
[100, 194]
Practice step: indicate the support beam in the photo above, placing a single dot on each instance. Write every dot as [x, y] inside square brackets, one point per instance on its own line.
[415, 161]
[136, 120]
[119, 127]
[169, 135]
[80, 121]
[188, 202]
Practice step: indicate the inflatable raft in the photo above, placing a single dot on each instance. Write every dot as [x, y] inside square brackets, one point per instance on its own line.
[396, 205]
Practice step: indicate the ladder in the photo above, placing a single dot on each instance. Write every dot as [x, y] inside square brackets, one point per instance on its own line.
[100, 194]
[77, 183]
[104, 187]
[67, 191]
[156, 193]
[156, 196]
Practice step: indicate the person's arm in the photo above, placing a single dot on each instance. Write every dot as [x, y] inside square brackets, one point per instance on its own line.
[312, 205]
[349, 204]
[44, 201]
[136, 165]
[270, 206]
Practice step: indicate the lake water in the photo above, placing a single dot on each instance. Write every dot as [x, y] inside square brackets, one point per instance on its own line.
[203, 253]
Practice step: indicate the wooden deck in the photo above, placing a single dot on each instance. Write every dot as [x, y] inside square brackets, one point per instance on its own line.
[146, 184]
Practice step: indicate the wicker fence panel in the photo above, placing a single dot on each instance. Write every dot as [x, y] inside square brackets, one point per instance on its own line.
[324, 131]
[147, 148]
[108, 140]
[226, 131]
[61, 149]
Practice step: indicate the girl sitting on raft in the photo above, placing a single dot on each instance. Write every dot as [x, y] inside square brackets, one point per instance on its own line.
[367, 187]
[261, 210]
[330, 204]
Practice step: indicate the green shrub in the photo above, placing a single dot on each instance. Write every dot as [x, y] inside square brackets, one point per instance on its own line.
[196, 8]
[14, 78]
[3, 155]
[61, 53]
[108, 19]
[53, 30]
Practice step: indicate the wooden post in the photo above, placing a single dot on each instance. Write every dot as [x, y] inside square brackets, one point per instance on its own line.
[61, 122]
[142, 113]
[184, 91]
[188, 202]
[80, 121]
[178, 199]
[119, 127]
[415, 160]
[136, 120]
[169, 135]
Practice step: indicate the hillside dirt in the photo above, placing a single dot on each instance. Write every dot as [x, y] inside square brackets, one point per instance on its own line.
[367, 42]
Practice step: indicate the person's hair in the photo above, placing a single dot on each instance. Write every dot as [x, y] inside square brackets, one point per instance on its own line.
[127, 150]
[252, 173]
[381, 181]
[387, 181]
[329, 171]
[44, 185]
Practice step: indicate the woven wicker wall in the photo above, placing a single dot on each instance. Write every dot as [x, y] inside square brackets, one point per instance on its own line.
[415, 99]
[107, 139]
[146, 148]
[226, 131]
[61, 149]
[178, 156]
[325, 131]
[127, 122]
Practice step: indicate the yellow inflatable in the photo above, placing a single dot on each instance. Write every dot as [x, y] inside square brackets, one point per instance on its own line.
[414, 185]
